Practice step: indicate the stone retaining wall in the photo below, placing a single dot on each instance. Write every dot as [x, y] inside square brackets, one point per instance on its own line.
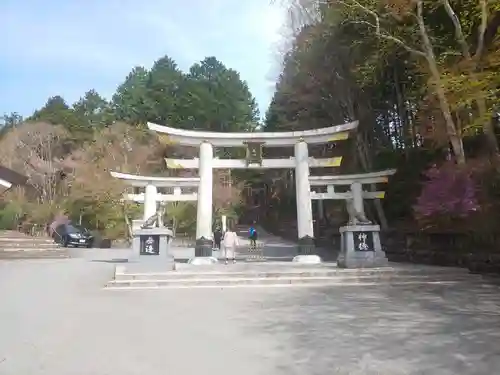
[479, 252]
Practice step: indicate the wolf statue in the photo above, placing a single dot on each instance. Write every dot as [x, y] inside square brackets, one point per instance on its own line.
[355, 217]
[155, 220]
[151, 222]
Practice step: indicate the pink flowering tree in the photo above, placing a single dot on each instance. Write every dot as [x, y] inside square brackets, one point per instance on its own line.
[449, 193]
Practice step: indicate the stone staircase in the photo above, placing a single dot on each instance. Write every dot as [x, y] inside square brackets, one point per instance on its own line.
[280, 274]
[284, 229]
[17, 245]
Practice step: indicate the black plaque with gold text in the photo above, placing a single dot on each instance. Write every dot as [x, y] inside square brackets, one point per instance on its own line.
[363, 241]
[150, 244]
[254, 153]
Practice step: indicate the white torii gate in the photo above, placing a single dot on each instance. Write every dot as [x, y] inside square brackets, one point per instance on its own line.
[356, 192]
[151, 197]
[360, 239]
[253, 141]
[177, 196]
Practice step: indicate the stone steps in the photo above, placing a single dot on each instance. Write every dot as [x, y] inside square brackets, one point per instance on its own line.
[214, 277]
[12, 233]
[12, 241]
[34, 254]
[267, 282]
[173, 275]
[28, 246]
[23, 237]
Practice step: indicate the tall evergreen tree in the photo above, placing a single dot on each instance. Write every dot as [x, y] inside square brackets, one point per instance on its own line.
[131, 103]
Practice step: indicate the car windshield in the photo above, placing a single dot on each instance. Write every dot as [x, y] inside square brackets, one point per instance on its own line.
[75, 229]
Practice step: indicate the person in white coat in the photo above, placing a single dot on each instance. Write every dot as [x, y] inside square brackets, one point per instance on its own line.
[231, 242]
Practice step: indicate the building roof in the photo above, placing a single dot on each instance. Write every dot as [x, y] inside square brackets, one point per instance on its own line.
[13, 177]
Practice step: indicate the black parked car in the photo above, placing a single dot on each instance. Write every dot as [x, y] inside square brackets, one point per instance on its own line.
[70, 234]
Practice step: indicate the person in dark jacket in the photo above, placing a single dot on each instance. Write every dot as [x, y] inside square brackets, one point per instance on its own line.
[217, 238]
[252, 235]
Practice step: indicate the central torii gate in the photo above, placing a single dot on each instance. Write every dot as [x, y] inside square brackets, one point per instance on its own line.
[253, 141]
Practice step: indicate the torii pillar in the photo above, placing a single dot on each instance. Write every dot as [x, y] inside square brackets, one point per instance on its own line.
[203, 246]
[305, 226]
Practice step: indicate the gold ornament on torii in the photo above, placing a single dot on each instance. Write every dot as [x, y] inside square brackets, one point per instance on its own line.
[254, 152]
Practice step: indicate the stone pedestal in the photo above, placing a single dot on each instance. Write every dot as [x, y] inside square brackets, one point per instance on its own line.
[361, 247]
[203, 247]
[306, 249]
[307, 259]
[306, 246]
[153, 243]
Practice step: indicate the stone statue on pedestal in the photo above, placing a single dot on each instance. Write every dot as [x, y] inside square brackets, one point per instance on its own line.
[155, 220]
[151, 222]
[355, 217]
[360, 245]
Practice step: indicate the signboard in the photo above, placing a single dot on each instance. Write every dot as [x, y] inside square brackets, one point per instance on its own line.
[254, 153]
[363, 241]
[150, 244]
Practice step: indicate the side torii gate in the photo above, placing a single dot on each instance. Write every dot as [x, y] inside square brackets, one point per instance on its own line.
[253, 141]
[150, 197]
[360, 238]
[356, 195]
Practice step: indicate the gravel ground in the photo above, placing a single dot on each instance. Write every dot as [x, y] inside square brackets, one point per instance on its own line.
[55, 319]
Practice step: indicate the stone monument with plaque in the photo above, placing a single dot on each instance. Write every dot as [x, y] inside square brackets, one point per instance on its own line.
[151, 242]
[360, 238]
[150, 237]
[360, 247]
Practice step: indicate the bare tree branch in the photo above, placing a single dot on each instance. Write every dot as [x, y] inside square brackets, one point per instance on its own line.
[392, 39]
[451, 129]
[482, 28]
[35, 149]
[458, 29]
[423, 32]
[376, 26]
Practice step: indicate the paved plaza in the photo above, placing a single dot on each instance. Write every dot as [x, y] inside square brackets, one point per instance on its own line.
[56, 319]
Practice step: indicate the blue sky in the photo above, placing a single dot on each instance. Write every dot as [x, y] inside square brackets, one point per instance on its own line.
[60, 47]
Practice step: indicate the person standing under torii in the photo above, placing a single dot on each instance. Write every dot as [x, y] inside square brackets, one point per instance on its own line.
[217, 238]
[231, 242]
[253, 235]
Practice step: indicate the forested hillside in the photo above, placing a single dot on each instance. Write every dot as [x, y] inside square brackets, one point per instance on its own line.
[422, 77]
[67, 150]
